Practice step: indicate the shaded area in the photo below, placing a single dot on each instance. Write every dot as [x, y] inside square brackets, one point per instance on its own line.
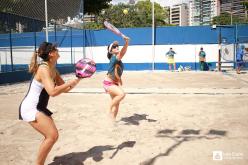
[96, 153]
[183, 136]
[243, 72]
[190, 132]
[166, 131]
[123, 145]
[217, 132]
[135, 119]
[236, 76]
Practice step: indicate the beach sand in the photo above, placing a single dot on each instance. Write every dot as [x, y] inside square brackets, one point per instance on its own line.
[169, 118]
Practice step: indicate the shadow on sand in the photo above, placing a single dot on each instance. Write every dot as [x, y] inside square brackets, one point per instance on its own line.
[96, 153]
[135, 119]
[183, 136]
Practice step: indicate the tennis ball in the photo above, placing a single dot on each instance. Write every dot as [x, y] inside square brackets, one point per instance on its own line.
[125, 11]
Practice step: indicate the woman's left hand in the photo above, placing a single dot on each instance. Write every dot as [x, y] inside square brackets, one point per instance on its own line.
[126, 38]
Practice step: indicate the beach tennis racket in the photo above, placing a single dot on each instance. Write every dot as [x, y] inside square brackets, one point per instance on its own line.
[112, 28]
[227, 52]
[245, 57]
[85, 68]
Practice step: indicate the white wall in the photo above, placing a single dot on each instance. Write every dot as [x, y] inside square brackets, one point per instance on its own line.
[135, 54]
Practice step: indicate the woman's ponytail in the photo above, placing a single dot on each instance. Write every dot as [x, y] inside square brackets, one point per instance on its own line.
[33, 64]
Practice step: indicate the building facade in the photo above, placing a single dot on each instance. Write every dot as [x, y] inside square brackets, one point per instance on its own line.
[234, 8]
[201, 12]
[131, 2]
[179, 15]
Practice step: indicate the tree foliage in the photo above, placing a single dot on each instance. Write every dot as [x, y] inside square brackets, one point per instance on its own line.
[139, 15]
[245, 4]
[225, 19]
[95, 6]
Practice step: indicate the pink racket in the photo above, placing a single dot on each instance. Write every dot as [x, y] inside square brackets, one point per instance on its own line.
[85, 68]
[113, 29]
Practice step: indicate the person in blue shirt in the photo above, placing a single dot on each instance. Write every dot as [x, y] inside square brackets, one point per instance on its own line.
[113, 82]
[202, 59]
[170, 55]
[239, 58]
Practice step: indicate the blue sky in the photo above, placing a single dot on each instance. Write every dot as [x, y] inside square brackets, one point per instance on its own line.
[161, 2]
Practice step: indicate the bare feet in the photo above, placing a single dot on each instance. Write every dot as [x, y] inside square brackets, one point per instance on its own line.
[111, 116]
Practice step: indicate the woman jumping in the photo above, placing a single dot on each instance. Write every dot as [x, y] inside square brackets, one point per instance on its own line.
[113, 82]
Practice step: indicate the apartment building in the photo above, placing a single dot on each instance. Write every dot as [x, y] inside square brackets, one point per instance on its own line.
[131, 2]
[201, 12]
[233, 7]
[179, 15]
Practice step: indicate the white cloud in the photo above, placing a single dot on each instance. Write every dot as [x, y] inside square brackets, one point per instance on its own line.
[161, 2]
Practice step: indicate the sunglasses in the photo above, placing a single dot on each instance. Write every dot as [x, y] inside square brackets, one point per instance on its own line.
[115, 46]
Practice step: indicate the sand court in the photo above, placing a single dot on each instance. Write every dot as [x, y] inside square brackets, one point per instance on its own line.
[166, 118]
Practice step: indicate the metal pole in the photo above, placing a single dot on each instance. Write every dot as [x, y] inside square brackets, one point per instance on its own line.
[195, 58]
[231, 13]
[153, 36]
[46, 19]
[11, 53]
[0, 63]
[71, 46]
[235, 46]
[55, 31]
[35, 41]
[219, 55]
[84, 33]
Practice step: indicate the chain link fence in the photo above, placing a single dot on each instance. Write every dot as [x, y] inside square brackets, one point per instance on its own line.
[21, 36]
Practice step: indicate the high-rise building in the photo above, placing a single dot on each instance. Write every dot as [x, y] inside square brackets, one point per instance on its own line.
[179, 15]
[201, 12]
[131, 2]
[233, 7]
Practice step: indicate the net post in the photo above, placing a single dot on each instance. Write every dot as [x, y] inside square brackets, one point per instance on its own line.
[11, 47]
[71, 45]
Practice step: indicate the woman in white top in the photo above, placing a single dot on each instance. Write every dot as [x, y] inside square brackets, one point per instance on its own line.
[46, 82]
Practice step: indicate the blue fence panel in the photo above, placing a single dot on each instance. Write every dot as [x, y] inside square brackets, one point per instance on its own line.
[139, 36]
